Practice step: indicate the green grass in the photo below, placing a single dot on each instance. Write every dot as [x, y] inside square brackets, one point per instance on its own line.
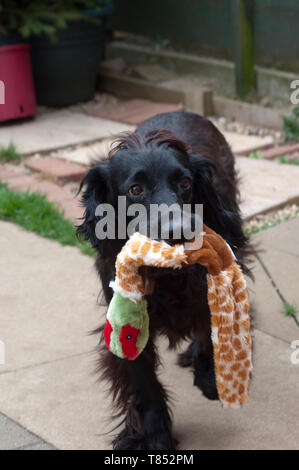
[33, 212]
[291, 125]
[256, 155]
[9, 153]
[263, 222]
[262, 227]
[290, 310]
[285, 159]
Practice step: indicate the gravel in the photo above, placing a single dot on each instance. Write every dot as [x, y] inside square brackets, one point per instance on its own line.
[229, 125]
[265, 221]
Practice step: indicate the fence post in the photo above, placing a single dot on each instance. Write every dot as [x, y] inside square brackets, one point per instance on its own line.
[242, 13]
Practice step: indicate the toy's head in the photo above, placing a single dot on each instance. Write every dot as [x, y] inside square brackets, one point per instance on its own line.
[126, 331]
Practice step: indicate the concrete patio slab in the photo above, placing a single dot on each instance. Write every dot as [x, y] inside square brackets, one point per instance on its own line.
[284, 237]
[278, 251]
[266, 305]
[131, 112]
[48, 299]
[86, 155]
[77, 408]
[54, 129]
[42, 446]
[56, 168]
[265, 185]
[284, 270]
[48, 384]
[65, 391]
[245, 144]
[15, 437]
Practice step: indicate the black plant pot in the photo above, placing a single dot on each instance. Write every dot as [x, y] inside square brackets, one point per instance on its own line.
[10, 39]
[65, 72]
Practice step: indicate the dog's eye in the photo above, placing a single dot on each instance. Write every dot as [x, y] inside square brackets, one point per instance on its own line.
[135, 190]
[185, 183]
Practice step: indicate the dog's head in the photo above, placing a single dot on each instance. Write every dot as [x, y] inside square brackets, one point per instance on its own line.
[158, 169]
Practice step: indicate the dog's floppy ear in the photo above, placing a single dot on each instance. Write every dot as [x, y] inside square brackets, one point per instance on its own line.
[204, 189]
[217, 213]
[96, 186]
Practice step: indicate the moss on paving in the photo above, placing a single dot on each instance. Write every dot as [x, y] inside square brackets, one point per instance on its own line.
[9, 153]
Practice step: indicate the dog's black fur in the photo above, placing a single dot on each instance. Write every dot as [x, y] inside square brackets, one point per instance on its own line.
[174, 157]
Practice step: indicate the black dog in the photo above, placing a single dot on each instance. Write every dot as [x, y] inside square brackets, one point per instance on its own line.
[172, 158]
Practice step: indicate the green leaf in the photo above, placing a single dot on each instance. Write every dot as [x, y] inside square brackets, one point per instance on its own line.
[291, 128]
[295, 111]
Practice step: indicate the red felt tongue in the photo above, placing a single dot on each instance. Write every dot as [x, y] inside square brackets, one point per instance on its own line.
[107, 333]
[128, 338]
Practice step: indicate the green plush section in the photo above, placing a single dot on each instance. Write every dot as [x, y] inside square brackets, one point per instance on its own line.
[144, 333]
[123, 311]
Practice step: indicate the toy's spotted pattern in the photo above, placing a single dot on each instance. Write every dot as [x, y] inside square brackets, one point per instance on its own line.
[142, 251]
[227, 298]
[229, 308]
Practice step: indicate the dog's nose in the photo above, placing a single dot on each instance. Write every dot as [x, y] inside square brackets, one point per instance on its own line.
[172, 232]
[182, 229]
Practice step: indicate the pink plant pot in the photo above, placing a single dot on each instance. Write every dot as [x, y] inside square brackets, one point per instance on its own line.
[17, 96]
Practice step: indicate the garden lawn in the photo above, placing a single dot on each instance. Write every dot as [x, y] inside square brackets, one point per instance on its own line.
[33, 212]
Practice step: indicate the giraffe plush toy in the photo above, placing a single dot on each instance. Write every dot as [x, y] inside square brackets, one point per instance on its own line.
[127, 325]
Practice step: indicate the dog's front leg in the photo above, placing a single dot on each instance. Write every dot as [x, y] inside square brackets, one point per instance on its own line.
[138, 393]
[199, 356]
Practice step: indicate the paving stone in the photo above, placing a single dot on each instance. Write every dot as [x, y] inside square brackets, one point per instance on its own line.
[152, 72]
[87, 155]
[116, 65]
[51, 324]
[274, 152]
[284, 270]
[284, 237]
[72, 210]
[53, 129]
[57, 168]
[245, 144]
[78, 409]
[40, 446]
[13, 436]
[6, 173]
[265, 185]
[132, 112]
[266, 305]
[279, 250]
[35, 284]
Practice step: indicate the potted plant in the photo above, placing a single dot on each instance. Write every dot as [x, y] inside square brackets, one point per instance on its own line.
[17, 90]
[67, 43]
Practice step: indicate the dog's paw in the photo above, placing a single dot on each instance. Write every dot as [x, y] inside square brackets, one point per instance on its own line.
[128, 439]
[206, 382]
[185, 359]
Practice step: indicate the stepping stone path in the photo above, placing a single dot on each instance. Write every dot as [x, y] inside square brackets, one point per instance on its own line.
[57, 129]
[59, 195]
[57, 168]
[244, 144]
[274, 152]
[132, 111]
[73, 140]
[266, 185]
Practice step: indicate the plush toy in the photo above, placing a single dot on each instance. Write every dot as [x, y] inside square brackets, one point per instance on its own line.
[127, 326]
